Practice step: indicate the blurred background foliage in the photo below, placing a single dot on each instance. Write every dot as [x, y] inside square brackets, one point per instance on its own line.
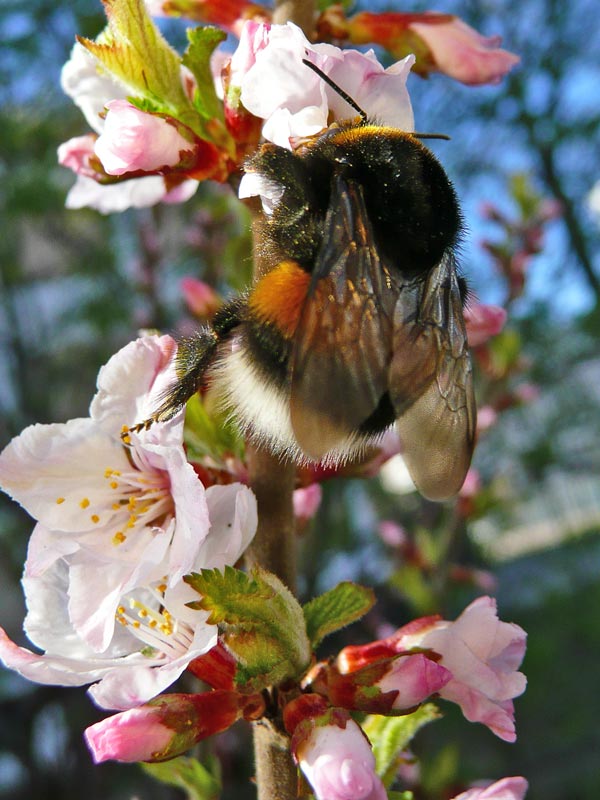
[75, 286]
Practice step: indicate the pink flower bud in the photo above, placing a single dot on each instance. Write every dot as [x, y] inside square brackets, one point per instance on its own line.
[505, 789]
[464, 54]
[527, 392]
[306, 501]
[482, 322]
[163, 728]
[415, 678]
[391, 533]
[339, 764]
[200, 298]
[486, 418]
[133, 140]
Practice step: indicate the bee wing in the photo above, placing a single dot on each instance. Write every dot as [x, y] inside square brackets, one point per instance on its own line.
[431, 383]
[342, 345]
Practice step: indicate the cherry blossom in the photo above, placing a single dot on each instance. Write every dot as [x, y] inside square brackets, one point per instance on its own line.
[92, 88]
[481, 652]
[120, 523]
[295, 102]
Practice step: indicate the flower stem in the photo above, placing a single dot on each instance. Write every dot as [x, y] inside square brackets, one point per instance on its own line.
[272, 480]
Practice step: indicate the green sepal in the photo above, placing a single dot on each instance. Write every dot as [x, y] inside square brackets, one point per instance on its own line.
[202, 42]
[335, 609]
[196, 780]
[390, 735]
[260, 621]
[135, 52]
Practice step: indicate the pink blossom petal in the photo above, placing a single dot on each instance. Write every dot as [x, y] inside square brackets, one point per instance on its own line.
[89, 86]
[461, 52]
[115, 197]
[48, 470]
[75, 154]
[505, 789]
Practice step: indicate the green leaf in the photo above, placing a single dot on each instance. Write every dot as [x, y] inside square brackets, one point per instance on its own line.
[400, 795]
[261, 623]
[136, 53]
[390, 735]
[198, 782]
[197, 59]
[335, 609]
[209, 433]
[410, 582]
[323, 4]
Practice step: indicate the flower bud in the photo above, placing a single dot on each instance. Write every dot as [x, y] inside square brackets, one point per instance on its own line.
[133, 140]
[200, 298]
[483, 322]
[335, 756]
[383, 685]
[163, 728]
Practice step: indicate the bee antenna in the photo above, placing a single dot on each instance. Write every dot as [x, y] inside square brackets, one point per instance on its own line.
[337, 89]
[443, 136]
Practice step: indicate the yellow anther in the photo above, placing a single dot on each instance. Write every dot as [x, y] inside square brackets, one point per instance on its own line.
[60, 500]
[136, 624]
[162, 588]
[121, 610]
[114, 485]
[85, 502]
[95, 518]
[116, 506]
[119, 538]
[108, 472]
[152, 624]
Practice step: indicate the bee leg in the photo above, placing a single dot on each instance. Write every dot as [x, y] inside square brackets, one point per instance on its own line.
[194, 356]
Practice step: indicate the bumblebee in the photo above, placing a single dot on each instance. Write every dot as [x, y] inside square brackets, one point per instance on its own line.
[360, 323]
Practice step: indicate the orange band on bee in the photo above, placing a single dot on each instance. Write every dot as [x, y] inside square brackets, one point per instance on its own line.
[278, 297]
